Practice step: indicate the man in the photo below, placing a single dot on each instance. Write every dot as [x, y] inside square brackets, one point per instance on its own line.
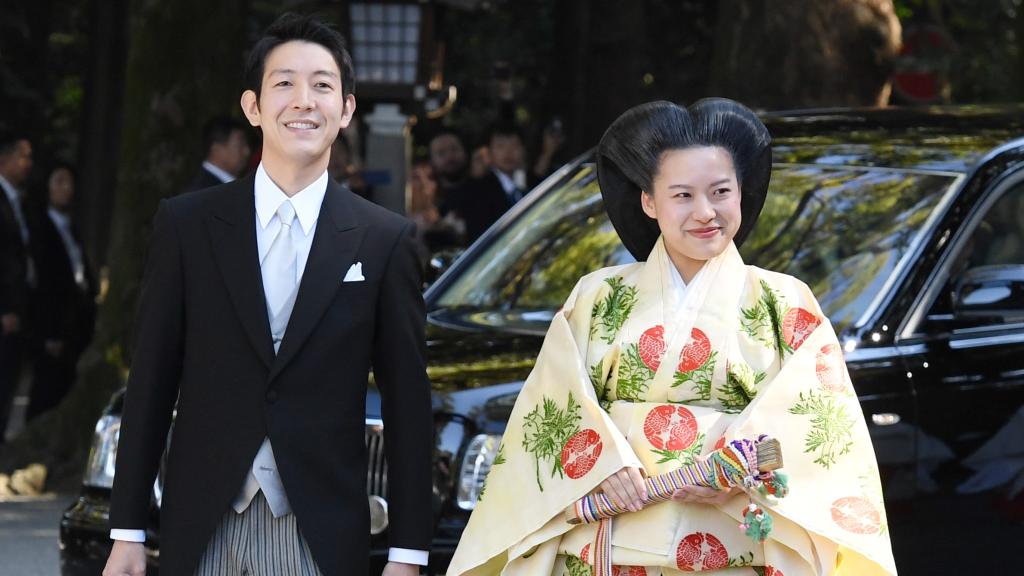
[480, 202]
[16, 270]
[340, 168]
[264, 305]
[448, 158]
[64, 299]
[227, 152]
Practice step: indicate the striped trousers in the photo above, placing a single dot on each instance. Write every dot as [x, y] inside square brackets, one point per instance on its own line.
[254, 543]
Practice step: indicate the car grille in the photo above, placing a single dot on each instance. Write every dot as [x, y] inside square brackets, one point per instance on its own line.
[376, 465]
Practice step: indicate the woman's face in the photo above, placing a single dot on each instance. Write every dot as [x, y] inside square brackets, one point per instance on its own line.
[62, 188]
[696, 201]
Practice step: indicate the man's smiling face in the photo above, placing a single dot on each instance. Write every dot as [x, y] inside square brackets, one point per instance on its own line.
[301, 104]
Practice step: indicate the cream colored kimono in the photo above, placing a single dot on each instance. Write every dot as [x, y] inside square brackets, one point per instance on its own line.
[634, 372]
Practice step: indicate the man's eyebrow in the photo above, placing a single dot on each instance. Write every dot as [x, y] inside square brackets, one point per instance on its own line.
[330, 73]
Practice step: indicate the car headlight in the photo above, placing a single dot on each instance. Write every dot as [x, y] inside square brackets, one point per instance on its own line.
[99, 472]
[475, 465]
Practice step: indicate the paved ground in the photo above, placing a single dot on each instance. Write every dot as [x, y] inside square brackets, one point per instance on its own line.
[28, 536]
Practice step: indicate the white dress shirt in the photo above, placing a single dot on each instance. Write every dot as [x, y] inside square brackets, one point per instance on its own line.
[508, 184]
[63, 224]
[221, 175]
[268, 197]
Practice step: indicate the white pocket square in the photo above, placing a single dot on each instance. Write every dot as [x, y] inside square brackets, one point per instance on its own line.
[355, 273]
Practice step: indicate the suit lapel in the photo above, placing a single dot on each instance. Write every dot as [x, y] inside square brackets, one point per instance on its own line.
[232, 227]
[335, 242]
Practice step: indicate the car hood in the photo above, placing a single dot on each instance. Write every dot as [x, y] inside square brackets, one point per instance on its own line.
[476, 365]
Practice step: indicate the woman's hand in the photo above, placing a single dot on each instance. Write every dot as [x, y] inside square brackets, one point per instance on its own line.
[626, 489]
[703, 495]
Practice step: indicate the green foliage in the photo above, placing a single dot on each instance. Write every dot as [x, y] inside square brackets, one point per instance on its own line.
[574, 566]
[763, 322]
[684, 457]
[699, 378]
[745, 559]
[545, 431]
[600, 386]
[634, 376]
[831, 425]
[740, 387]
[612, 311]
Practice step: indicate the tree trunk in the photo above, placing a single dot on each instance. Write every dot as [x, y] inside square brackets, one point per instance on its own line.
[805, 53]
[101, 124]
[184, 66]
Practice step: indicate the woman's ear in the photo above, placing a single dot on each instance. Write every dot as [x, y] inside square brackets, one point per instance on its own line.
[647, 203]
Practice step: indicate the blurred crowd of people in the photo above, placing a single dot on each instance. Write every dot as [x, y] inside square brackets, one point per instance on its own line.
[48, 288]
[455, 195]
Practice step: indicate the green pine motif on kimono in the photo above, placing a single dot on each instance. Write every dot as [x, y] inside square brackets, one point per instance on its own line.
[600, 388]
[634, 376]
[546, 429]
[831, 433]
[740, 387]
[576, 567]
[611, 312]
[763, 322]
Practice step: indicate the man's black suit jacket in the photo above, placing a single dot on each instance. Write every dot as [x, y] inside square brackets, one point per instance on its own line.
[61, 310]
[203, 338]
[480, 203]
[203, 179]
[13, 262]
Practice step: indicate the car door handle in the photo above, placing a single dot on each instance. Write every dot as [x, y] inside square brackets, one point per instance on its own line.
[885, 418]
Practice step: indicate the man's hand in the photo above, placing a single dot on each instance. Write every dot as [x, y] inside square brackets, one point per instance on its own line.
[703, 495]
[126, 559]
[11, 323]
[626, 488]
[396, 569]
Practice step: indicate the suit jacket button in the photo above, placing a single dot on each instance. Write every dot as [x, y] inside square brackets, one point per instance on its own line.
[272, 396]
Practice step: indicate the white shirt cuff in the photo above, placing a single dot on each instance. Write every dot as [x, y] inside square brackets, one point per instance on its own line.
[128, 535]
[406, 556]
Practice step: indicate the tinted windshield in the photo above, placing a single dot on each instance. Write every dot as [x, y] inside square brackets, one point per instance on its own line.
[841, 230]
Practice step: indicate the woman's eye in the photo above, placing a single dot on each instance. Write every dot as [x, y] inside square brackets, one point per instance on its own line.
[283, 83]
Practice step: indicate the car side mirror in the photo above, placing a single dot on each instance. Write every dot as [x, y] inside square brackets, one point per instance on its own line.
[439, 263]
[988, 294]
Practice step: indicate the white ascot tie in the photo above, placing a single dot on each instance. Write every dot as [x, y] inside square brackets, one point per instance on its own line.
[280, 286]
[279, 274]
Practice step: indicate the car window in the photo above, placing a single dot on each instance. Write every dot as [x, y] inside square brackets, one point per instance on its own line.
[842, 230]
[987, 271]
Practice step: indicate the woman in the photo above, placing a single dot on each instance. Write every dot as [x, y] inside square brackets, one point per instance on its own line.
[650, 366]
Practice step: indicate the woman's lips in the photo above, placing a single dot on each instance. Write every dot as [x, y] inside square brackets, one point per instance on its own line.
[704, 233]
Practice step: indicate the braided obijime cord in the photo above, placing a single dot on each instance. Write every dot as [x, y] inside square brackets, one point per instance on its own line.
[735, 464]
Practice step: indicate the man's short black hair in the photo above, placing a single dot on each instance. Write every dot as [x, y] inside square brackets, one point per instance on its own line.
[447, 132]
[289, 27]
[9, 140]
[218, 129]
[505, 130]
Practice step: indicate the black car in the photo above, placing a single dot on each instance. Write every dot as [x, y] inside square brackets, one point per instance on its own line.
[909, 227]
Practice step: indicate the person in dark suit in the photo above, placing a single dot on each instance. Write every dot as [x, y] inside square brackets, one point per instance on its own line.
[227, 152]
[64, 298]
[481, 201]
[16, 269]
[264, 305]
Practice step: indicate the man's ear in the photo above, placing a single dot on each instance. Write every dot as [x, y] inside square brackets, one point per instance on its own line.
[350, 109]
[251, 107]
[647, 203]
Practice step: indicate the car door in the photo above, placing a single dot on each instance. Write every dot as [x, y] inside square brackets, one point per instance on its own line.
[967, 352]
